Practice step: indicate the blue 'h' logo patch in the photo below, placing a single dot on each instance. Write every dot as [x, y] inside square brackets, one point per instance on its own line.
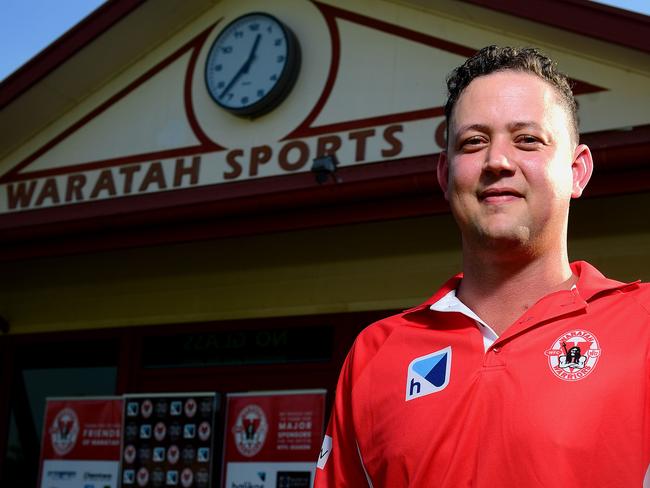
[428, 374]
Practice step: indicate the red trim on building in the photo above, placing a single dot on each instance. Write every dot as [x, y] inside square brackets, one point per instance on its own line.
[303, 128]
[41, 65]
[584, 17]
[373, 121]
[206, 142]
[380, 25]
[206, 145]
[331, 14]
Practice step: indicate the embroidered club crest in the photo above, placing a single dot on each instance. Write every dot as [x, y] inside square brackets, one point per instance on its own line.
[573, 356]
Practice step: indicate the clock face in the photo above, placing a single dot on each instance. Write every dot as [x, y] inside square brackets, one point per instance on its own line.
[252, 65]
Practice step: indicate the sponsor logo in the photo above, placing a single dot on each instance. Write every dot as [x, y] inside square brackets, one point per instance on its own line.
[97, 476]
[145, 431]
[172, 478]
[175, 431]
[325, 451]
[157, 477]
[161, 408]
[293, 479]
[158, 454]
[190, 407]
[204, 431]
[64, 431]
[147, 409]
[187, 477]
[574, 355]
[188, 454]
[201, 478]
[132, 409]
[142, 477]
[206, 407]
[62, 475]
[173, 454]
[131, 431]
[176, 407]
[250, 430]
[189, 431]
[128, 477]
[159, 431]
[129, 454]
[428, 374]
[144, 453]
[203, 454]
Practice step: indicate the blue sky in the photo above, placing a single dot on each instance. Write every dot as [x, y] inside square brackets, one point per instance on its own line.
[28, 26]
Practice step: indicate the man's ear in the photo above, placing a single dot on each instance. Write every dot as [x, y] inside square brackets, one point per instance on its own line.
[582, 167]
[442, 171]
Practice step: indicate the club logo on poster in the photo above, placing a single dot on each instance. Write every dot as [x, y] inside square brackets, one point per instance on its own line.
[64, 430]
[80, 443]
[250, 430]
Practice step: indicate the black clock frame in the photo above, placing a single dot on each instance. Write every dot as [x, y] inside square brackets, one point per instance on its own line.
[286, 80]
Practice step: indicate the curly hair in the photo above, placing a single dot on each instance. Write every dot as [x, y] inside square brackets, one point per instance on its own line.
[528, 60]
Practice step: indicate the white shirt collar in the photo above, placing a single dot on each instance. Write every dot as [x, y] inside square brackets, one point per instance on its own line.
[451, 303]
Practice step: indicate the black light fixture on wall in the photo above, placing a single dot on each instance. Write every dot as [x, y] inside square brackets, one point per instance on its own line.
[324, 166]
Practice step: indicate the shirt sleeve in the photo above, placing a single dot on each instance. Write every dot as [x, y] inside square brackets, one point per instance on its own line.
[339, 463]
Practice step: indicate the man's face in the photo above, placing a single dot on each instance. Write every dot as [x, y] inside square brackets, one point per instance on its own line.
[511, 168]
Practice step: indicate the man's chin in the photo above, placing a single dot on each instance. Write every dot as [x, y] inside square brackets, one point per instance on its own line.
[505, 238]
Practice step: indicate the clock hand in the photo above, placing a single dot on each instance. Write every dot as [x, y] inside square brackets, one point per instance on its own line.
[245, 67]
[251, 56]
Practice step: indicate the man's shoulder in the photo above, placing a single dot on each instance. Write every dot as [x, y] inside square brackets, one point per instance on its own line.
[592, 284]
[640, 292]
[375, 335]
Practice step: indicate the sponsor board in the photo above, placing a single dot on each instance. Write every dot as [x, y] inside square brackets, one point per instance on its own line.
[168, 440]
[81, 443]
[272, 438]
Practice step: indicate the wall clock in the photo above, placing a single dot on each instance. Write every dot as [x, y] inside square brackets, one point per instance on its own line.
[252, 65]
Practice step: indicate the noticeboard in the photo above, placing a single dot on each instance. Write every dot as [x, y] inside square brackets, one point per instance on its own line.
[272, 439]
[168, 440]
[80, 444]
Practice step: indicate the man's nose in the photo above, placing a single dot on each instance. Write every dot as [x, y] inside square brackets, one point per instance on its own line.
[498, 160]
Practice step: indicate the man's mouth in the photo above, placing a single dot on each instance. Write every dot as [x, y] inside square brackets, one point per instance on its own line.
[499, 195]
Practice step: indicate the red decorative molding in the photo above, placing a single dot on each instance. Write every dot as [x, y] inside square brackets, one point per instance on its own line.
[15, 174]
[64, 48]
[584, 17]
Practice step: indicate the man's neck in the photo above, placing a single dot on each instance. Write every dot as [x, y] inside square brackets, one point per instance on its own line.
[500, 291]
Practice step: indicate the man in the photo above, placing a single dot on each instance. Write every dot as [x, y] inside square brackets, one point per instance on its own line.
[474, 387]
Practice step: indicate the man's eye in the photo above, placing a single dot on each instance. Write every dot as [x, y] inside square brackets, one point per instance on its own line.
[472, 141]
[528, 139]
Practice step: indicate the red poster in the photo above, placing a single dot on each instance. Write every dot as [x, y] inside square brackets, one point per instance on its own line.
[80, 443]
[272, 439]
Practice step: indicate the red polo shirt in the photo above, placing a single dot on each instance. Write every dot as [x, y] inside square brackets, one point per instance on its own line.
[430, 398]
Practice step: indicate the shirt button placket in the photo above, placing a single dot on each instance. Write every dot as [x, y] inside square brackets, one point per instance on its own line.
[494, 357]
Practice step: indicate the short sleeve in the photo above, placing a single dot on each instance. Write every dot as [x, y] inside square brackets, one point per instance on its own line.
[339, 463]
